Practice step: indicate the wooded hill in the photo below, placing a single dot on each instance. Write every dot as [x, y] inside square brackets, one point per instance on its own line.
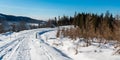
[18, 23]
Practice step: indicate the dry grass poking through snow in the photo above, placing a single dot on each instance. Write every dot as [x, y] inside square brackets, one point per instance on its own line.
[103, 35]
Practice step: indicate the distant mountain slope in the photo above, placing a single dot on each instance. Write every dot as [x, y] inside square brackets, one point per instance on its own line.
[12, 18]
[19, 23]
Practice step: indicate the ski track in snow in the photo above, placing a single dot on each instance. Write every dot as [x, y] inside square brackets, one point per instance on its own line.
[29, 46]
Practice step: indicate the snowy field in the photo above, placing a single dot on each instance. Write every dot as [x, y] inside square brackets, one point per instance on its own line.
[42, 44]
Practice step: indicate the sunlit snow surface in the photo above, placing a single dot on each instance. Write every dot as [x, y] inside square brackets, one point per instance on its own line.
[42, 44]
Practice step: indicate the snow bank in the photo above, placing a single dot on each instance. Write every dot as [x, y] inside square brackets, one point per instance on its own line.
[70, 48]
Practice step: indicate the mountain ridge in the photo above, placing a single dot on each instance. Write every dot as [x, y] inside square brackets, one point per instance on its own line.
[5, 17]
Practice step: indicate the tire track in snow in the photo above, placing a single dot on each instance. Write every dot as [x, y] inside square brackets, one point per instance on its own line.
[6, 49]
[39, 49]
[23, 51]
[9, 50]
[50, 52]
[47, 53]
[9, 44]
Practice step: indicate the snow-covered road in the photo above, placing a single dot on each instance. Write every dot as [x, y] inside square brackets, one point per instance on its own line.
[28, 46]
[42, 44]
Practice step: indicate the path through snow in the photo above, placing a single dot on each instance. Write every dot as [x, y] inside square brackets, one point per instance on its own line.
[26, 47]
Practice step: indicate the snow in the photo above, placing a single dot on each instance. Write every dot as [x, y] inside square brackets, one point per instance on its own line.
[25, 46]
[42, 44]
[69, 47]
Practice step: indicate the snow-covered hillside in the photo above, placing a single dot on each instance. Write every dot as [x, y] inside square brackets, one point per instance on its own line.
[42, 44]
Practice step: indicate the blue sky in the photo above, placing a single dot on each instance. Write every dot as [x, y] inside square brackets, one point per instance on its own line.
[45, 9]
